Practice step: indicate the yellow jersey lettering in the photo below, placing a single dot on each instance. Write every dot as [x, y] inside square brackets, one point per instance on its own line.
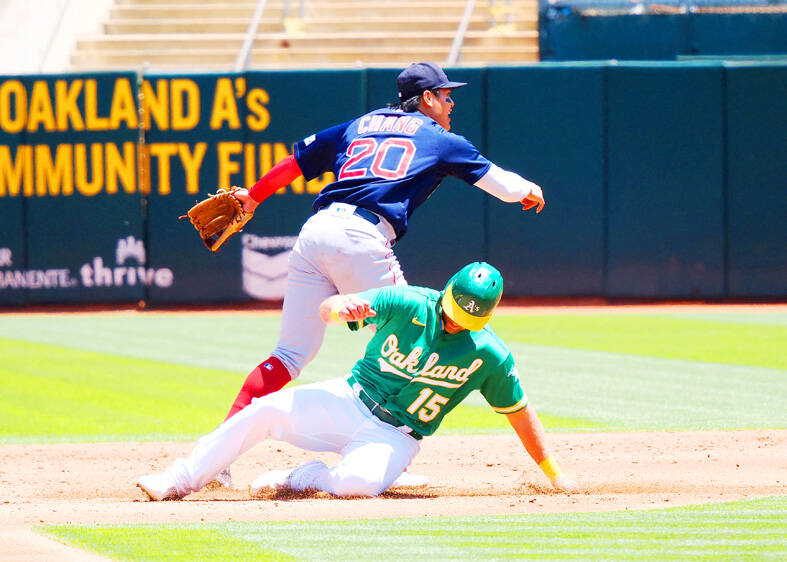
[464, 374]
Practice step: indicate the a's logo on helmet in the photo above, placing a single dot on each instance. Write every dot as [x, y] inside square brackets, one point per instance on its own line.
[471, 307]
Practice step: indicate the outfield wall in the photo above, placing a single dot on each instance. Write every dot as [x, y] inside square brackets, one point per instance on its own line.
[569, 32]
[662, 180]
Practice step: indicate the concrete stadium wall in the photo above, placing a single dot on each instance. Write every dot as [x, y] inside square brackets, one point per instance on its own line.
[662, 180]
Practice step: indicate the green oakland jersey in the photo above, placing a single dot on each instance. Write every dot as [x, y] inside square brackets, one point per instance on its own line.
[419, 373]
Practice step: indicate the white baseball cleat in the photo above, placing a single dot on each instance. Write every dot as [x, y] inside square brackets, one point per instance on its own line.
[158, 487]
[410, 480]
[269, 482]
[304, 477]
[298, 479]
[225, 478]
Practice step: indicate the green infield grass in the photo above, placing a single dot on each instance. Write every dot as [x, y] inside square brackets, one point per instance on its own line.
[172, 376]
[744, 530]
[744, 342]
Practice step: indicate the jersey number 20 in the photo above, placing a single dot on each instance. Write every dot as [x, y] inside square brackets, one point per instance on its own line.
[360, 149]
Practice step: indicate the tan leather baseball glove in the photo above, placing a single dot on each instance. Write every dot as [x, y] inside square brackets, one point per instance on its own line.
[218, 217]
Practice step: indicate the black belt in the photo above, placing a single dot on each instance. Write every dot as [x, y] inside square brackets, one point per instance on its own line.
[368, 215]
[384, 415]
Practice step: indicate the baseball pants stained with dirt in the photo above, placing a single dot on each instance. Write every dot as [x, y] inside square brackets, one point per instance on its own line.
[325, 416]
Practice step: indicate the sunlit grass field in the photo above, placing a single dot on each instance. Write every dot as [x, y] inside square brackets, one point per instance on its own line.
[745, 530]
[155, 376]
[173, 376]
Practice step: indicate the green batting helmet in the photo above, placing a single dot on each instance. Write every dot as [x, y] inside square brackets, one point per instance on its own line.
[472, 294]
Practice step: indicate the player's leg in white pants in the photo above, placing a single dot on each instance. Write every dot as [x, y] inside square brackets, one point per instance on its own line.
[370, 463]
[319, 417]
[333, 254]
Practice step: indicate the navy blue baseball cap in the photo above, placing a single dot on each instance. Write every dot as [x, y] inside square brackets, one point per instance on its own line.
[422, 76]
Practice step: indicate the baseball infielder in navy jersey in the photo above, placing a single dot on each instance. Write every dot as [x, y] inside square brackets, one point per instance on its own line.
[387, 163]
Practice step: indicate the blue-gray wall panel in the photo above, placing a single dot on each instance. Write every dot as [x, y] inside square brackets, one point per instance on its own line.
[666, 161]
[757, 180]
[12, 226]
[546, 123]
[623, 37]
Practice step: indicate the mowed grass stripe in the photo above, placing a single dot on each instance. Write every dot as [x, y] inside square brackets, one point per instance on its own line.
[55, 394]
[760, 314]
[165, 543]
[653, 335]
[731, 531]
[102, 395]
[52, 393]
[230, 342]
[640, 393]
[204, 339]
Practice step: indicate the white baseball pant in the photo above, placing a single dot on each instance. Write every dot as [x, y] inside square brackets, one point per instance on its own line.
[336, 252]
[324, 416]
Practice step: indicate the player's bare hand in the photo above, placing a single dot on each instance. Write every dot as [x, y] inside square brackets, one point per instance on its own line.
[345, 308]
[249, 204]
[565, 485]
[355, 309]
[535, 198]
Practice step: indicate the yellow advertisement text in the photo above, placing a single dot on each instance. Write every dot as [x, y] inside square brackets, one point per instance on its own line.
[173, 103]
[90, 169]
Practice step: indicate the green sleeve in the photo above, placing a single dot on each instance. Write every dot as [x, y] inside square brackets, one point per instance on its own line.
[503, 390]
[383, 300]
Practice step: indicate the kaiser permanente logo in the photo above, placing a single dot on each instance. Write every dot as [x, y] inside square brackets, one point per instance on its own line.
[129, 270]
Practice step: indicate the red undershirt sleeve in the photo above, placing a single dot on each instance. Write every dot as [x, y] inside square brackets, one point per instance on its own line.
[282, 174]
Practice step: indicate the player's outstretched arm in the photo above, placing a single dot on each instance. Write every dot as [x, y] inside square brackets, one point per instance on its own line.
[528, 427]
[345, 308]
[281, 175]
[512, 188]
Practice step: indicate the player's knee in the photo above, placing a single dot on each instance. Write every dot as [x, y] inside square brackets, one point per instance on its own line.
[295, 360]
[356, 485]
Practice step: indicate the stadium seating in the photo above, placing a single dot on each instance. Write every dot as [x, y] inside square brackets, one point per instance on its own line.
[206, 35]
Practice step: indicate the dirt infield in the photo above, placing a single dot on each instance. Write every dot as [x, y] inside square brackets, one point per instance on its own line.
[470, 475]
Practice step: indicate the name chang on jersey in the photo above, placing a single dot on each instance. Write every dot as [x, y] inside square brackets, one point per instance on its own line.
[405, 124]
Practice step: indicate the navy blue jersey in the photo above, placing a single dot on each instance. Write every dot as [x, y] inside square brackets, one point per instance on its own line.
[388, 162]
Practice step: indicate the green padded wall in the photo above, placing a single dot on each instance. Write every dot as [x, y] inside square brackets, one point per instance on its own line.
[666, 230]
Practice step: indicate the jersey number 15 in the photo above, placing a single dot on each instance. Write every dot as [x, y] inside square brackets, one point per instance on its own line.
[361, 149]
